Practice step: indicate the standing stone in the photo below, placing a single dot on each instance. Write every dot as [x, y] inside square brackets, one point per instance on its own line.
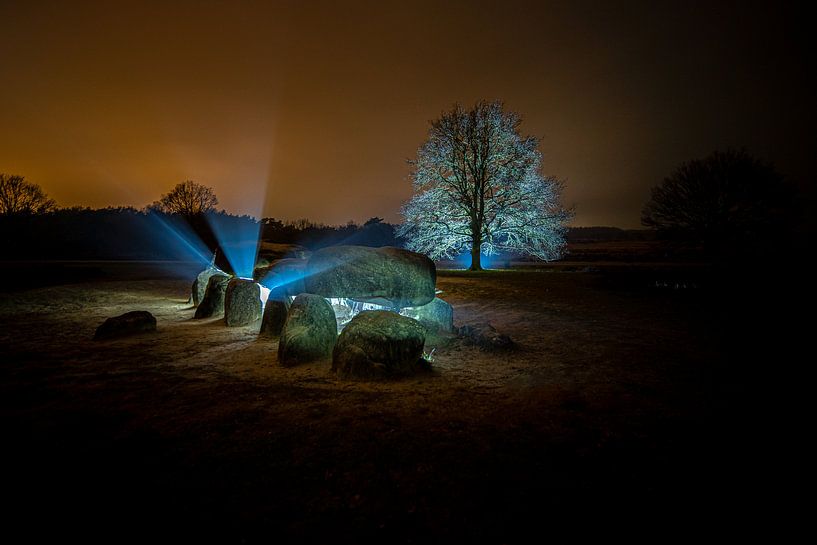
[388, 276]
[310, 331]
[200, 284]
[130, 323]
[378, 344]
[275, 313]
[242, 302]
[212, 304]
[437, 316]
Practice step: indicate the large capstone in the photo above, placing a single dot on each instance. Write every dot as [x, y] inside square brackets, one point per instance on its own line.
[286, 274]
[378, 344]
[275, 313]
[310, 331]
[130, 323]
[200, 284]
[388, 276]
[242, 302]
[437, 316]
[212, 304]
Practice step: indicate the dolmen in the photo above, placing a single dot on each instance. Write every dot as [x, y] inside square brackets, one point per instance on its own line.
[383, 301]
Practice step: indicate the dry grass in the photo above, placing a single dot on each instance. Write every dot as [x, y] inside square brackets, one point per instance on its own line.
[602, 407]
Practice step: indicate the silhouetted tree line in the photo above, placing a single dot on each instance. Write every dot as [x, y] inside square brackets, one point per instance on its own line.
[128, 233]
[732, 204]
[83, 233]
[311, 235]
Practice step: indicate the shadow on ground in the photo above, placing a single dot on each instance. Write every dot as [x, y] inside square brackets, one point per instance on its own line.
[623, 412]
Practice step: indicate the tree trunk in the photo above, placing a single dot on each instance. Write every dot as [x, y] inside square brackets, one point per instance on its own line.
[476, 254]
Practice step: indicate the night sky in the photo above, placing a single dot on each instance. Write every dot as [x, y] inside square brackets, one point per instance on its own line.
[310, 109]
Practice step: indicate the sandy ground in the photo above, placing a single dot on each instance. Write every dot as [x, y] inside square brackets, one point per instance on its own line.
[603, 420]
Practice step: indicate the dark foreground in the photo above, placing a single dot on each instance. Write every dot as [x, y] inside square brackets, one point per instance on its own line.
[628, 410]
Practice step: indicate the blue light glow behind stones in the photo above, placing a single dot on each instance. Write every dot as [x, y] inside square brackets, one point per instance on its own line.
[277, 279]
[283, 276]
[238, 239]
[493, 261]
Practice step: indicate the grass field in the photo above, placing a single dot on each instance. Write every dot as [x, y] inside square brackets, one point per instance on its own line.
[615, 415]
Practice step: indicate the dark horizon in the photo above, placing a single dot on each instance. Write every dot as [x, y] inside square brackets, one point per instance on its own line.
[291, 112]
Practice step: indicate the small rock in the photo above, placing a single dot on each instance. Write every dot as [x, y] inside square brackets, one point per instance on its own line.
[485, 336]
[130, 323]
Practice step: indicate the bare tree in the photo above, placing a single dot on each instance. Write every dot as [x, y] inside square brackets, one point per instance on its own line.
[17, 196]
[727, 202]
[477, 187]
[188, 199]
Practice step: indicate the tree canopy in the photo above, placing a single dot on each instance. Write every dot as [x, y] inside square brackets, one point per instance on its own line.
[726, 201]
[478, 187]
[17, 196]
[188, 199]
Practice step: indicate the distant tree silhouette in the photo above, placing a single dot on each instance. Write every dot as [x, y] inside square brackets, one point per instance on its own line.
[303, 224]
[188, 199]
[17, 196]
[730, 202]
[272, 223]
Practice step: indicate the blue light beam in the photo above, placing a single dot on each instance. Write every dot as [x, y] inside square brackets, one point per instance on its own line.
[180, 239]
[238, 239]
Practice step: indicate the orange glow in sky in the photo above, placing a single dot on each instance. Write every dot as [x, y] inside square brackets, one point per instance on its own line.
[310, 109]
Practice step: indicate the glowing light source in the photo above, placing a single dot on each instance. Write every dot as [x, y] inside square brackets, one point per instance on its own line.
[346, 309]
[264, 295]
[489, 261]
[282, 278]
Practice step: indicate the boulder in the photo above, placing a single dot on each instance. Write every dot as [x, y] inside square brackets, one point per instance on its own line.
[485, 336]
[387, 276]
[200, 284]
[287, 274]
[310, 331]
[130, 323]
[242, 302]
[378, 344]
[212, 304]
[437, 316]
[275, 314]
